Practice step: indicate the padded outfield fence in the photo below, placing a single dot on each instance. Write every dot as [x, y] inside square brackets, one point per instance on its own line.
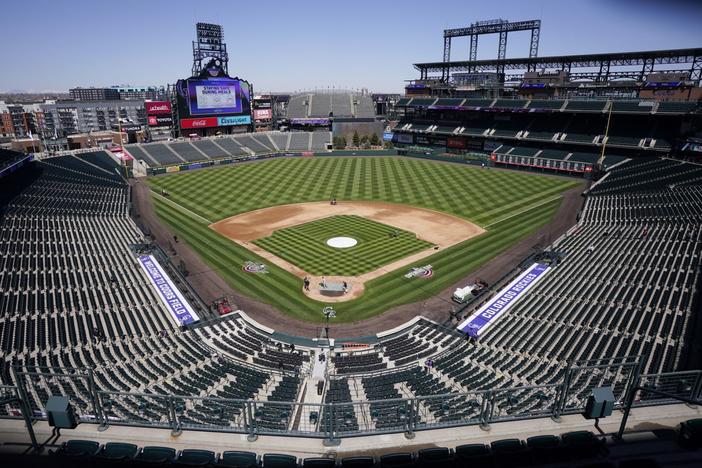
[332, 421]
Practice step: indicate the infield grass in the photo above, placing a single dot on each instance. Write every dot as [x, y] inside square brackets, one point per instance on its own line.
[305, 245]
[509, 205]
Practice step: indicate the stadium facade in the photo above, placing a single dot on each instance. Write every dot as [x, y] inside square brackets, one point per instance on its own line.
[102, 306]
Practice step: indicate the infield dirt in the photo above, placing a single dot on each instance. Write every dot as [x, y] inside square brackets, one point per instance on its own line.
[441, 229]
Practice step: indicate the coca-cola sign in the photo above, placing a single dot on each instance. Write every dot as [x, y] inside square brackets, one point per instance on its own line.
[199, 123]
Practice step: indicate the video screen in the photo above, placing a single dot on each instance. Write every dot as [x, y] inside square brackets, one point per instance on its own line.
[218, 96]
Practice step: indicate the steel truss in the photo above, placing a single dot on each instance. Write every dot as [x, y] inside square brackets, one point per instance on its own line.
[688, 60]
[498, 26]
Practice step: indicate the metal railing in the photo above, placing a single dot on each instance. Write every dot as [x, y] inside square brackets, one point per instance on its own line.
[332, 421]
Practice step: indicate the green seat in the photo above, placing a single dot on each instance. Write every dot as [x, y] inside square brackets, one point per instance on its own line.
[396, 460]
[239, 459]
[318, 463]
[691, 433]
[544, 448]
[277, 460]
[118, 451]
[153, 454]
[507, 446]
[474, 455]
[581, 444]
[472, 450]
[196, 457]
[357, 462]
[434, 456]
[80, 448]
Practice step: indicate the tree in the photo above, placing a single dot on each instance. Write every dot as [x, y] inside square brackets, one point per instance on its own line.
[335, 142]
[356, 139]
[388, 145]
[374, 140]
[364, 139]
[343, 142]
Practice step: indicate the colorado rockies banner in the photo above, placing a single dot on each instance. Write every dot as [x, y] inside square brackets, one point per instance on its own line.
[483, 318]
[174, 301]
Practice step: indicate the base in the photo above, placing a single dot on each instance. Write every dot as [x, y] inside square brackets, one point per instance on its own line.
[409, 435]
[485, 427]
[252, 437]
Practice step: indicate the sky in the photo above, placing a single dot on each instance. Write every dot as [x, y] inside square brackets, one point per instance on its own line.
[287, 46]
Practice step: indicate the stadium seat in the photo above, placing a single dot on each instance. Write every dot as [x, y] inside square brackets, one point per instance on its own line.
[155, 455]
[639, 463]
[544, 448]
[358, 462]
[581, 444]
[77, 448]
[477, 455]
[319, 463]
[690, 435]
[509, 451]
[396, 460]
[239, 459]
[434, 456]
[117, 451]
[277, 460]
[195, 457]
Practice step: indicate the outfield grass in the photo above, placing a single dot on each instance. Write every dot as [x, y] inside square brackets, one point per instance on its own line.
[509, 205]
[305, 245]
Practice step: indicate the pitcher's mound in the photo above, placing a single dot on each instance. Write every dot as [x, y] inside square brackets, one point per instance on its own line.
[341, 242]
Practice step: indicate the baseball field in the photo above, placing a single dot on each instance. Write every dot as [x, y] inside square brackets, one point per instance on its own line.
[503, 206]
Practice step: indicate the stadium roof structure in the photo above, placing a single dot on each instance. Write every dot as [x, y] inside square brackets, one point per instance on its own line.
[603, 61]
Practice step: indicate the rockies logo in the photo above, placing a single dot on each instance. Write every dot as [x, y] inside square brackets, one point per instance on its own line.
[424, 272]
[253, 267]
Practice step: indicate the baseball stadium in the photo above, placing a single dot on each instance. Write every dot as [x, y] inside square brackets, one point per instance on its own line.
[500, 267]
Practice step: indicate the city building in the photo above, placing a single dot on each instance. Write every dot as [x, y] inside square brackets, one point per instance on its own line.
[94, 94]
[69, 117]
[127, 92]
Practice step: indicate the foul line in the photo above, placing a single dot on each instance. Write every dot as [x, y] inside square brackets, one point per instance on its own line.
[181, 207]
[524, 211]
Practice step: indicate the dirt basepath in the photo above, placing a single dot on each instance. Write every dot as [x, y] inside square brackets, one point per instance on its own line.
[210, 286]
[441, 229]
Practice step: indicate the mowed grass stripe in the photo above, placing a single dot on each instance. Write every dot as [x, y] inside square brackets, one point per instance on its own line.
[305, 245]
[480, 195]
[487, 197]
[227, 260]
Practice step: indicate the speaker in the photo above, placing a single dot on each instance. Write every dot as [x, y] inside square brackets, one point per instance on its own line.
[61, 413]
[600, 403]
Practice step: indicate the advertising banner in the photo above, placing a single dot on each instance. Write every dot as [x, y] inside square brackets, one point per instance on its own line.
[263, 114]
[485, 316]
[455, 142]
[404, 138]
[159, 120]
[158, 107]
[199, 123]
[234, 120]
[170, 296]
